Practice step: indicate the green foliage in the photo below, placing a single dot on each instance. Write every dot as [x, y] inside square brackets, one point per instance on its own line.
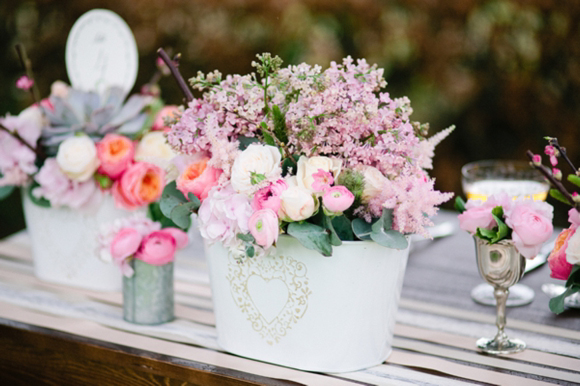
[555, 193]
[156, 214]
[383, 234]
[246, 141]
[557, 303]
[361, 229]
[5, 191]
[43, 202]
[354, 181]
[498, 233]
[459, 204]
[290, 165]
[311, 236]
[248, 240]
[105, 182]
[343, 228]
[573, 178]
[177, 207]
[280, 130]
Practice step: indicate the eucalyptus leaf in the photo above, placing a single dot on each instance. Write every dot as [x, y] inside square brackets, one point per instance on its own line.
[43, 202]
[246, 141]
[247, 237]
[557, 303]
[311, 236]
[181, 216]
[250, 251]
[361, 229]
[574, 277]
[387, 237]
[334, 238]
[343, 228]
[5, 191]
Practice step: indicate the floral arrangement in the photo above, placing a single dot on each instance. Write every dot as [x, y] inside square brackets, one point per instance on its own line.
[140, 238]
[526, 222]
[71, 147]
[564, 260]
[322, 155]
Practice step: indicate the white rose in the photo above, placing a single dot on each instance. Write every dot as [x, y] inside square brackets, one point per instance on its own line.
[374, 183]
[309, 166]
[255, 163]
[59, 89]
[77, 158]
[153, 148]
[573, 249]
[296, 204]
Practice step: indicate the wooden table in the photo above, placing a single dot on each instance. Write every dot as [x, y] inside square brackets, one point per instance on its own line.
[56, 335]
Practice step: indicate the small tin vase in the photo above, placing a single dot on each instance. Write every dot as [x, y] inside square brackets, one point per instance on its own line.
[148, 294]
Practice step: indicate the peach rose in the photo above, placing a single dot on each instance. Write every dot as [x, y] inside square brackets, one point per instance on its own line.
[559, 267]
[115, 153]
[141, 184]
[198, 178]
[166, 112]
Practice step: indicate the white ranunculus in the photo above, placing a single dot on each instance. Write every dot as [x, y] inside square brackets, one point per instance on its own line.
[153, 148]
[256, 161]
[573, 249]
[77, 158]
[374, 183]
[296, 204]
[309, 166]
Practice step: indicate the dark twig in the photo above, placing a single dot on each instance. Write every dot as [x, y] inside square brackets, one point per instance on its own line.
[176, 74]
[554, 182]
[18, 137]
[25, 62]
[562, 151]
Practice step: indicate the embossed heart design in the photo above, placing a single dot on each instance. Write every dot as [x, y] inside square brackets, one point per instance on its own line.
[269, 296]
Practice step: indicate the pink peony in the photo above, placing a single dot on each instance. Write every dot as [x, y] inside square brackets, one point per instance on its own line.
[557, 260]
[322, 180]
[337, 199]
[531, 224]
[269, 197]
[198, 178]
[263, 226]
[166, 112]
[115, 152]
[157, 248]
[141, 184]
[181, 238]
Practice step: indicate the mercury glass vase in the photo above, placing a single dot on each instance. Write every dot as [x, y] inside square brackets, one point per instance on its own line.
[502, 266]
[148, 294]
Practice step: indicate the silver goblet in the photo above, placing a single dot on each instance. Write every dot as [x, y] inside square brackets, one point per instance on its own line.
[502, 266]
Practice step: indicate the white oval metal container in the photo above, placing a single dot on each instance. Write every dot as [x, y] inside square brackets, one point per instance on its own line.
[65, 247]
[299, 309]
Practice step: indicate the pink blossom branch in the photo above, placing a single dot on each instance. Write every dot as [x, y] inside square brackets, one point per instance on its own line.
[18, 138]
[176, 74]
[554, 182]
[25, 62]
[562, 151]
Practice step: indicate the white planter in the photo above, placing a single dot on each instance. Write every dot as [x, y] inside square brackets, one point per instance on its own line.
[65, 247]
[303, 310]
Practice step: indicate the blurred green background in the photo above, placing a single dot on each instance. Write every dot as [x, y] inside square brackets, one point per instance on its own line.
[506, 73]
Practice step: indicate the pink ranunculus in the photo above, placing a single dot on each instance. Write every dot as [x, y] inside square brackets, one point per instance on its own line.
[198, 178]
[531, 224]
[165, 112]
[157, 248]
[269, 197]
[115, 152]
[263, 226]
[337, 199]
[141, 184]
[181, 238]
[125, 243]
[559, 267]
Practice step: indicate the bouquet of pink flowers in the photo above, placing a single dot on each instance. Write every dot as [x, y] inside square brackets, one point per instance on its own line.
[324, 156]
[141, 238]
[528, 223]
[72, 146]
[565, 257]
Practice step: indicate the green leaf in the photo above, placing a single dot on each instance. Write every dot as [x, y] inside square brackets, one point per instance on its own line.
[311, 236]
[574, 277]
[459, 204]
[246, 141]
[555, 193]
[382, 233]
[250, 251]
[5, 191]
[170, 198]
[557, 304]
[175, 206]
[486, 234]
[247, 237]
[104, 182]
[574, 179]
[362, 229]
[343, 228]
[256, 178]
[280, 130]
[193, 198]
[334, 239]
[181, 215]
[502, 229]
[156, 215]
[43, 202]
[268, 139]
[289, 166]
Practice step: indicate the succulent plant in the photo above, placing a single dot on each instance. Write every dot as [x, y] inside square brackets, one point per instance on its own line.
[92, 114]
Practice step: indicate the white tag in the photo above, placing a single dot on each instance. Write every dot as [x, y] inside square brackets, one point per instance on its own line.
[101, 52]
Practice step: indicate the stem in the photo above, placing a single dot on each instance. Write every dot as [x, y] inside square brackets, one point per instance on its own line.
[176, 74]
[554, 182]
[562, 150]
[25, 62]
[19, 138]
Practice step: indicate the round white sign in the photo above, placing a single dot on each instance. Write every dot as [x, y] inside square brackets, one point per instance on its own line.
[101, 52]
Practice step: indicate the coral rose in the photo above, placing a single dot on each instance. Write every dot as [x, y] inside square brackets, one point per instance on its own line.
[170, 112]
[116, 153]
[559, 266]
[198, 178]
[141, 184]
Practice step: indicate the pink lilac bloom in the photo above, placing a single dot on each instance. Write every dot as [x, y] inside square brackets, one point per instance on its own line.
[59, 190]
[322, 180]
[17, 159]
[24, 83]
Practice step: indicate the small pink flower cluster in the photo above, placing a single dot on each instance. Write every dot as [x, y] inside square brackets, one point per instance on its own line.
[530, 221]
[140, 238]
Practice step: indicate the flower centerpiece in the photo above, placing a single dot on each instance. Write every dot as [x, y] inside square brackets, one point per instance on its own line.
[145, 252]
[564, 260]
[81, 158]
[303, 180]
